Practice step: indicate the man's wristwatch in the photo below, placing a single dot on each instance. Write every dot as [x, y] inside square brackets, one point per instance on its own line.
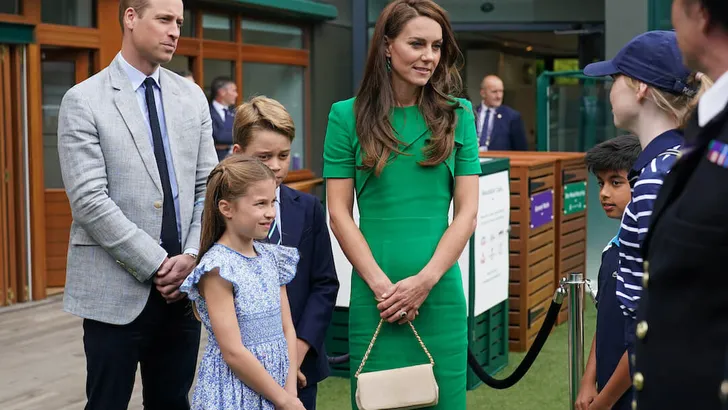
[194, 256]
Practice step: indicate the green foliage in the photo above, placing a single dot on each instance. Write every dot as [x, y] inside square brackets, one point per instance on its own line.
[566, 64]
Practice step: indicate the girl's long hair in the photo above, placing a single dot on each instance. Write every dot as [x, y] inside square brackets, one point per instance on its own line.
[376, 99]
[228, 181]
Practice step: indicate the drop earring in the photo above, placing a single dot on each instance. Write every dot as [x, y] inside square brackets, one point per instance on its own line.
[389, 64]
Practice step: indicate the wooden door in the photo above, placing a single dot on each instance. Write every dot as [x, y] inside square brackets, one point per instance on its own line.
[61, 69]
[13, 265]
[6, 289]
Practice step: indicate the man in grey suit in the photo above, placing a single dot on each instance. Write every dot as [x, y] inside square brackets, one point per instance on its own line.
[135, 148]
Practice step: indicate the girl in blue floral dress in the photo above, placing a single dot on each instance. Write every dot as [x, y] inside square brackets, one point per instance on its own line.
[239, 293]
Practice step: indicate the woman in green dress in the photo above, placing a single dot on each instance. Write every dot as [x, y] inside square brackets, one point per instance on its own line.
[407, 149]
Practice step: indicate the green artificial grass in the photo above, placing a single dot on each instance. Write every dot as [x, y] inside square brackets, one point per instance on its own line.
[544, 387]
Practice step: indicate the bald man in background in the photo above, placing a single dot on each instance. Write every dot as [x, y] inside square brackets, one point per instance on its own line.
[499, 126]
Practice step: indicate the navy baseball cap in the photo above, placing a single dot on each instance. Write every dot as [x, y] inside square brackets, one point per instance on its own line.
[653, 58]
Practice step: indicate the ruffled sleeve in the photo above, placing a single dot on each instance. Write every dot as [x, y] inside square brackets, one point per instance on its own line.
[286, 262]
[189, 285]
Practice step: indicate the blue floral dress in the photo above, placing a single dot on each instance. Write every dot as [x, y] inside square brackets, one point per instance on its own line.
[256, 287]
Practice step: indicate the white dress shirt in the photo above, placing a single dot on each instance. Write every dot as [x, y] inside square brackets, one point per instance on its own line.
[220, 109]
[278, 212]
[713, 101]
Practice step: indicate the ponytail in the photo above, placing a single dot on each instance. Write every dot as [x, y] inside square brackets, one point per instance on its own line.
[213, 224]
[228, 181]
[679, 107]
[701, 83]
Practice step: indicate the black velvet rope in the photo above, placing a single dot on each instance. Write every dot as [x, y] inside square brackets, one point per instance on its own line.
[338, 359]
[525, 365]
[522, 368]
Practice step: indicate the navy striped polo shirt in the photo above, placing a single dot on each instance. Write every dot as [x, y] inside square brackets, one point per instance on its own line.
[645, 178]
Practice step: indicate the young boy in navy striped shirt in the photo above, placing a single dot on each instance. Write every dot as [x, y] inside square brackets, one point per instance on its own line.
[606, 380]
[652, 96]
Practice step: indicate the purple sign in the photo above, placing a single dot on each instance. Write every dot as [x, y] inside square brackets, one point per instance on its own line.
[542, 208]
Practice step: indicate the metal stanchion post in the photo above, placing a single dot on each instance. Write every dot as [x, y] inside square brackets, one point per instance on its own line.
[576, 334]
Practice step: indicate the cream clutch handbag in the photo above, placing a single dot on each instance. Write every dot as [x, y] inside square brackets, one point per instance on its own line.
[411, 387]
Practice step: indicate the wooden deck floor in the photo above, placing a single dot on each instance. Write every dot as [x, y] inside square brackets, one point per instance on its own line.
[42, 365]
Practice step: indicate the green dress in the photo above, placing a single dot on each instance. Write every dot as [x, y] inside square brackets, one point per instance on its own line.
[403, 215]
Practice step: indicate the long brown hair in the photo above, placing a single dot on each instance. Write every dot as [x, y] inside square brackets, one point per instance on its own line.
[228, 181]
[376, 99]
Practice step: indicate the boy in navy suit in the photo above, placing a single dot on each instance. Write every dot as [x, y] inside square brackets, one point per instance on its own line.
[606, 382]
[264, 129]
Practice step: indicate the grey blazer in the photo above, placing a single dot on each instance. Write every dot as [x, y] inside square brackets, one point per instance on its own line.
[112, 182]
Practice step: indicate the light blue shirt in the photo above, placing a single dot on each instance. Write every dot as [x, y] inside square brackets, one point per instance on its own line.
[137, 82]
[615, 240]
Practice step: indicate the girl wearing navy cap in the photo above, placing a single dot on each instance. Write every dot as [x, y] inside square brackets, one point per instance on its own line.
[652, 96]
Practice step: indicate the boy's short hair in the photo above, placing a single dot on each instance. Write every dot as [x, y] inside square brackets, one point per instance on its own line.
[261, 113]
[616, 154]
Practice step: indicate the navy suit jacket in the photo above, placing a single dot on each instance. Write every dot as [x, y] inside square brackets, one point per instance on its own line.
[219, 134]
[508, 133]
[312, 292]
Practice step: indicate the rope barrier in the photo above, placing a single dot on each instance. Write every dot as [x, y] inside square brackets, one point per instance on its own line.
[523, 367]
[338, 359]
[533, 352]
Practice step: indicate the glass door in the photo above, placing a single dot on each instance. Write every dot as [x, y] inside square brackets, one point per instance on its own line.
[61, 69]
[13, 248]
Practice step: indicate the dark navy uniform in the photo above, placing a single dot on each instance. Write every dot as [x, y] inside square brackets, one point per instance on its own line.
[682, 319]
[610, 341]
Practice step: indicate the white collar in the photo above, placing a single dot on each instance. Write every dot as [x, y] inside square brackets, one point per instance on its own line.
[135, 76]
[218, 106]
[713, 101]
[278, 193]
[483, 106]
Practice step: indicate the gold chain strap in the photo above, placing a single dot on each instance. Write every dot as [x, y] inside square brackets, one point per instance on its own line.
[374, 339]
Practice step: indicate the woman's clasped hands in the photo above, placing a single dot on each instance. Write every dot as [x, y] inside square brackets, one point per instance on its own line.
[401, 302]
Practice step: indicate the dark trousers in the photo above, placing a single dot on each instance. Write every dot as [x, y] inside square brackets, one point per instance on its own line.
[307, 395]
[164, 339]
